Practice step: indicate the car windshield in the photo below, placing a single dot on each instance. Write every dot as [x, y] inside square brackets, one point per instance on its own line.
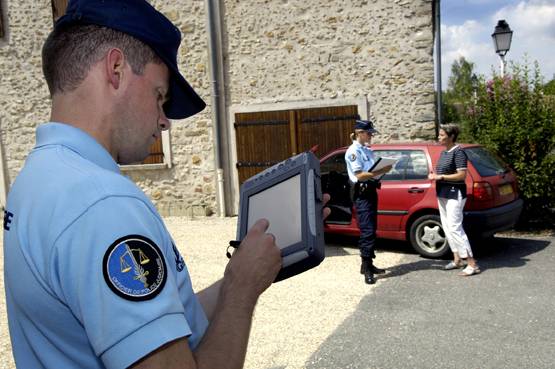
[485, 162]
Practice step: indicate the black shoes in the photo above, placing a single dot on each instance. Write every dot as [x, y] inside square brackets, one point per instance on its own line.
[374, 269]
[369, 278]
[368, 269]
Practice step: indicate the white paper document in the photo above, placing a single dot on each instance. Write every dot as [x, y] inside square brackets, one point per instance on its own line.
[382, 162]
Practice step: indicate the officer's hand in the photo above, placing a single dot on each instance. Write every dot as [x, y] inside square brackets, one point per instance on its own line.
[387, 168]
[255, 264]
[326, 210]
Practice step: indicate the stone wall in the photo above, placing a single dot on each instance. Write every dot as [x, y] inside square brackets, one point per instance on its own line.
[306, 50]
[274, 50]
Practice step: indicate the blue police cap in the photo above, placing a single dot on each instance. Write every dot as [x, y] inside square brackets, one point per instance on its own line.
[140, 20]
[366, 125]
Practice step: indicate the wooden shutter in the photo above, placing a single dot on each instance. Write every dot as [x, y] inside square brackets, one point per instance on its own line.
[58, 8]
[156, 153]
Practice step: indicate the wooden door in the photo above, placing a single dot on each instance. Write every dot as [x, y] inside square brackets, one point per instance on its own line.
[329, 127]
[266, 138]
[263, 139]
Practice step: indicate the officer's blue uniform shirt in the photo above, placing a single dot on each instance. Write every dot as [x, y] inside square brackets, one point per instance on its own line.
[93, 279]
[359, 158]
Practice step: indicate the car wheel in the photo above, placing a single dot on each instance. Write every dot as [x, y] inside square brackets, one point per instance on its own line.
[427, 237]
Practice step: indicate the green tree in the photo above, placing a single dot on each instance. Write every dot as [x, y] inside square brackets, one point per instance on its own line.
[549, 91]
[513, 117]
[549, 87]
[460, 90]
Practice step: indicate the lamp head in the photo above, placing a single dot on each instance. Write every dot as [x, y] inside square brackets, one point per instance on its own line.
[502, 36]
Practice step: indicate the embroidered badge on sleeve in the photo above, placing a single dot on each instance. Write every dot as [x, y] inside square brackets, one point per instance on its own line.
[179, 263]
[353, 157]
[134, 268]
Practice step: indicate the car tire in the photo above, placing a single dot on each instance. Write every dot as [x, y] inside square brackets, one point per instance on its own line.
[428, 238]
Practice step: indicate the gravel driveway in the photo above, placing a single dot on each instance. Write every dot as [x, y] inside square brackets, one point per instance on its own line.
[293, 317]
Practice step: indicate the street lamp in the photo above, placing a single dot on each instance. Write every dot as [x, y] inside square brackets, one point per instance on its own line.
[474, 82]
[502, 36]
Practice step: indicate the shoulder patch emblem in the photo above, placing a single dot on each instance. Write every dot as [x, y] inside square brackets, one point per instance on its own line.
[179, 263]
[134, 268]
[353, 157]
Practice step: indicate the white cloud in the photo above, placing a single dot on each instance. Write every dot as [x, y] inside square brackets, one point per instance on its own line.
[467, 40]
[533, 24]
[533, 19]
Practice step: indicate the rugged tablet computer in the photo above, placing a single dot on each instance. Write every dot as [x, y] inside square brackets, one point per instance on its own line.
[289, 195]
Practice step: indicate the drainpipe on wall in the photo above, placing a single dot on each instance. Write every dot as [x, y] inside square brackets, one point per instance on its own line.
[218, 109]
[439, 118]
[3, 179]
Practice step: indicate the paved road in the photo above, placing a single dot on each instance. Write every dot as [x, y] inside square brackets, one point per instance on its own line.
[420, 316]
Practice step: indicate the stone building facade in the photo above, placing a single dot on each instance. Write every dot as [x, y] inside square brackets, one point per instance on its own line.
[273, 53]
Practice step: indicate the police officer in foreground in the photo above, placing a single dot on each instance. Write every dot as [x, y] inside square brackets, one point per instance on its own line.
[360, 159]
[93, 278]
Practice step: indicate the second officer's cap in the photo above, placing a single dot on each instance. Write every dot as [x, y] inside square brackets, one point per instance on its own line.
[366, 125]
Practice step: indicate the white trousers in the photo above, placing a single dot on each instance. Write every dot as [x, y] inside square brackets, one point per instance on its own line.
[451, 214]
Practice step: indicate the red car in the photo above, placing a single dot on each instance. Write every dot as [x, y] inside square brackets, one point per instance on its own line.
[407, 205]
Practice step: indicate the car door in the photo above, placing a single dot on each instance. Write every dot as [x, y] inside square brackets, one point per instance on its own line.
[335, 182]
[402, 188]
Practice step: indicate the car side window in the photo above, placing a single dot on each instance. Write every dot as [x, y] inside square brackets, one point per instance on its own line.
[411, 164]
[335, 163]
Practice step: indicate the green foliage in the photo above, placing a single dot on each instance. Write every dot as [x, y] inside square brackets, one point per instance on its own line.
[461, 86]
[513, 117]
[549, 87]
[460, 82]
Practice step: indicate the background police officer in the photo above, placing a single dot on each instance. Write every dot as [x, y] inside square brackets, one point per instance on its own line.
[360, 159]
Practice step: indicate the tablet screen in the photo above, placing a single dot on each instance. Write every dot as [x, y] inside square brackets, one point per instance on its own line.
[281, 205]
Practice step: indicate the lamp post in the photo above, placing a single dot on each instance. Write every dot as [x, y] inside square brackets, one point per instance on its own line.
[474, 82]
[502, 36]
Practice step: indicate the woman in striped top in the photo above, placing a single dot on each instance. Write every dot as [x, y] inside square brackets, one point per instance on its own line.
[449, 175]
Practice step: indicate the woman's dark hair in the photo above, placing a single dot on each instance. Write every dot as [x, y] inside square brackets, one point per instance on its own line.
[452, 130]
[69, 52]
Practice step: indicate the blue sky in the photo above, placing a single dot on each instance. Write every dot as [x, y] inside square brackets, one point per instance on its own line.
[467, 25]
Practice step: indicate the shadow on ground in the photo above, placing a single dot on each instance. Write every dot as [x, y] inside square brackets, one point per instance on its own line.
[335, 245]
[491, 253]
[407, 321]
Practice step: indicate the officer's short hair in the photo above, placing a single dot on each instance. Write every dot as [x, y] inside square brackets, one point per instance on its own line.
[69, 53]
[451, 129]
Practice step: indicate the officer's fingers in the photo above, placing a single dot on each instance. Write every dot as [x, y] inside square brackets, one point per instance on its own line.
[268, 249]
[326, 212]
[260, 226]
[255, 233]
[326, 198]
[269, 237]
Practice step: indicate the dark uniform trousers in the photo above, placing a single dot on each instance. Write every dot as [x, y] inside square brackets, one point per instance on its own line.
[366, 204]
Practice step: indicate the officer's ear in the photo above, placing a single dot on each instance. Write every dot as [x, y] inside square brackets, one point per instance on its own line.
[114, 66]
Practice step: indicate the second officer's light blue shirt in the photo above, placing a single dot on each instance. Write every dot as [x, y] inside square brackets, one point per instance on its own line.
[359, 158]
[93, 279]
